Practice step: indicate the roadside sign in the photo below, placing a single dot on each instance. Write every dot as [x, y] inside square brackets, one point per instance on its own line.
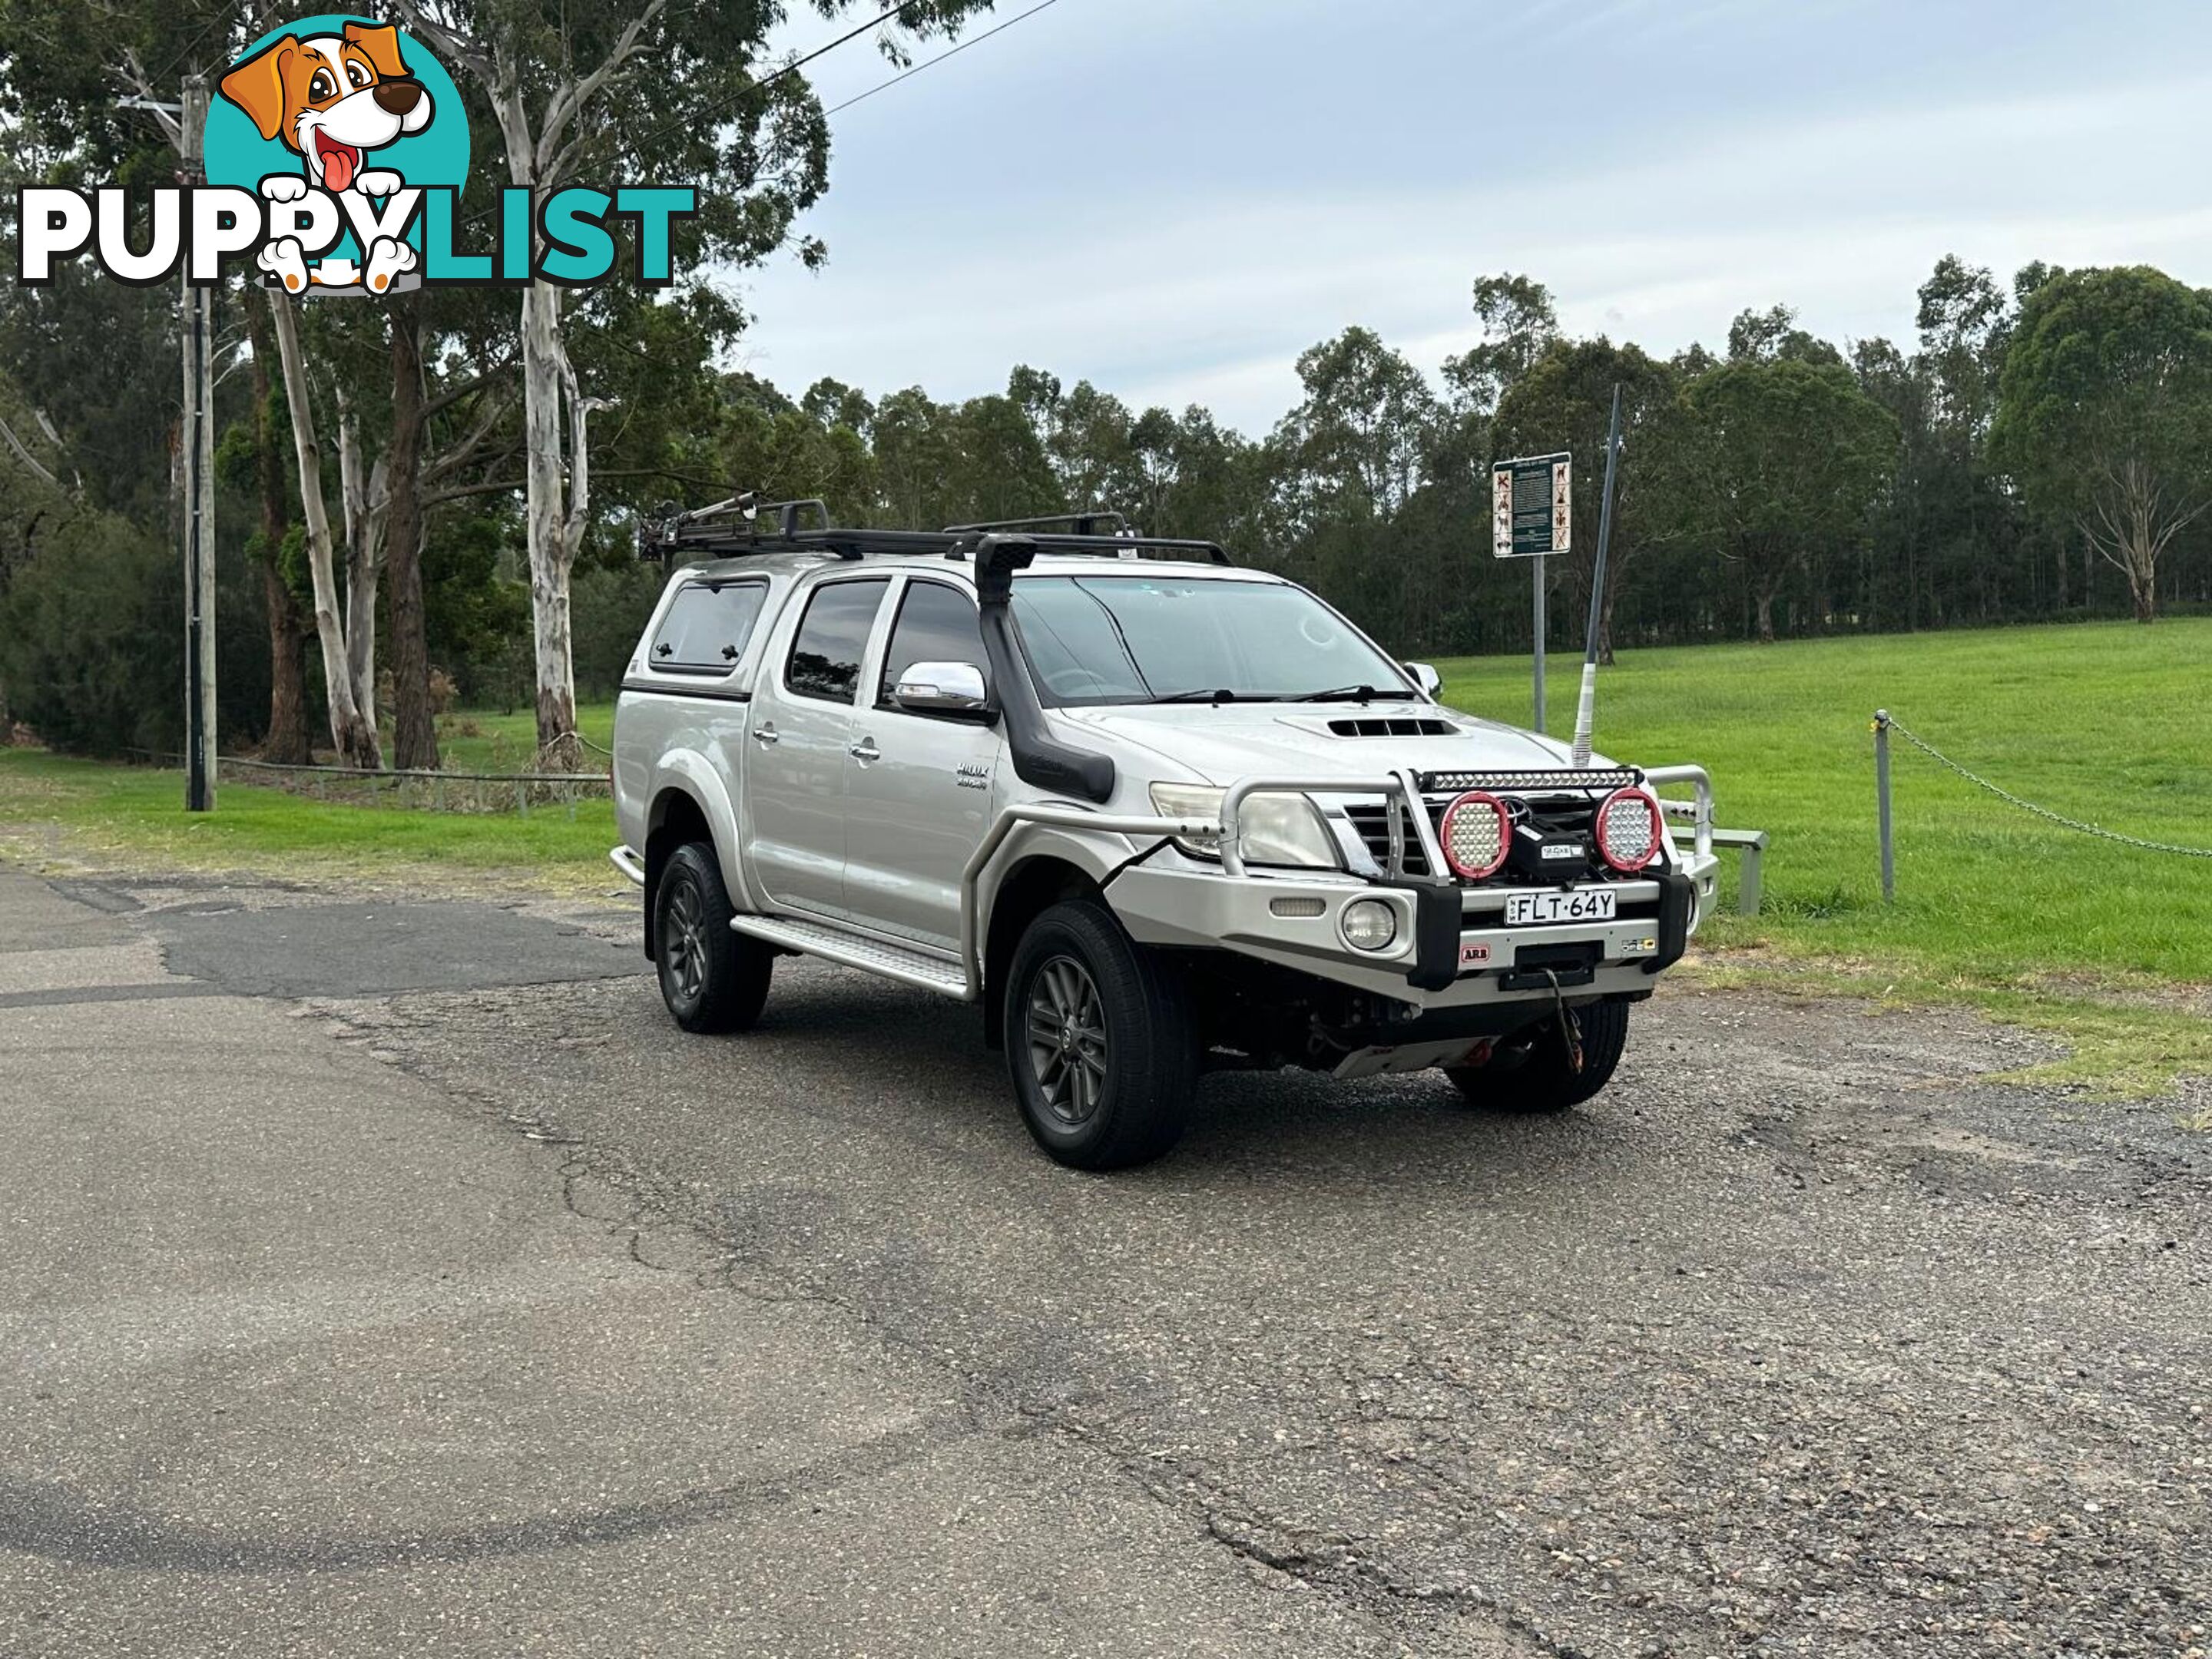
[1531, 506]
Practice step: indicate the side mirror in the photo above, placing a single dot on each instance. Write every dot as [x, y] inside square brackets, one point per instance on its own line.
[1431, 682]
[942, 688]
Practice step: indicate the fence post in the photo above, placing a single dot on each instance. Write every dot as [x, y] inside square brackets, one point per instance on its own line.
[1882, 805]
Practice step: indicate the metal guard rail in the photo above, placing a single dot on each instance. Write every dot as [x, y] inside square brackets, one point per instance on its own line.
[1698, 814]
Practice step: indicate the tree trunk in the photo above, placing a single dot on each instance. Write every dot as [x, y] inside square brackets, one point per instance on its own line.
[2143, 589]
[355, 740]
[288, 742]
[415, 739]
[1765, 601]
[364, 537]
[550, 553]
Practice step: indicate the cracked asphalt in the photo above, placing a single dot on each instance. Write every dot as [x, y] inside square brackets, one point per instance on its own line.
[392, 1279]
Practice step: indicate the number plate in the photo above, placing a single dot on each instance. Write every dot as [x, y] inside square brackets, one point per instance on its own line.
[1582, 904]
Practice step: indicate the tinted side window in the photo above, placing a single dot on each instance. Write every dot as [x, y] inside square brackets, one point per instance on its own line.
[707, 628]
[936, 623]
[825, 657]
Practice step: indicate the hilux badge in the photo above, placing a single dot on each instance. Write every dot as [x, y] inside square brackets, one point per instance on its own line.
[973, 775]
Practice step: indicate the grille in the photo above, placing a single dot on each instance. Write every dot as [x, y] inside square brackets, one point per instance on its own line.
[1573, 815]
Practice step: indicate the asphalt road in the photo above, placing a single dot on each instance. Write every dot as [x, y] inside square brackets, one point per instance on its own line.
[390, 1279]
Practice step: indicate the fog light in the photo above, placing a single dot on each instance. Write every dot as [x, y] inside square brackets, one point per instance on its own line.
[1369, 925]
[1296, 909]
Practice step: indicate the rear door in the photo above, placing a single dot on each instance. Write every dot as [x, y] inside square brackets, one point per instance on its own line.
[801, 735]
[921, 788]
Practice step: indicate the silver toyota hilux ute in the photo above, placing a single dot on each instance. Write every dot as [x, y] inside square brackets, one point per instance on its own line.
[1154, 813]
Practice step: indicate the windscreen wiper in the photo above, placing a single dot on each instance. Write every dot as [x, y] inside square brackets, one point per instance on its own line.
[1201, 696]
[1350, 694]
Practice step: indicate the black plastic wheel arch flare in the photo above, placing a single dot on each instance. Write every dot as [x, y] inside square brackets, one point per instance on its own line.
[1630, 829]
[1477, 832]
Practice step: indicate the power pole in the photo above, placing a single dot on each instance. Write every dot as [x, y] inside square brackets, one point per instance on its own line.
[185, 124]
[197, 316]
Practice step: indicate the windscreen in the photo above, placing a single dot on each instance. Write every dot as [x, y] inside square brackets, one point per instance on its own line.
[1096, 639]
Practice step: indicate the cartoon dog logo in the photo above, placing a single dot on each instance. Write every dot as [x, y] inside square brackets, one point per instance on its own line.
[333, 100]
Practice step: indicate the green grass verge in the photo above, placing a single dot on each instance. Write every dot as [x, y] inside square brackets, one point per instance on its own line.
[55, 808]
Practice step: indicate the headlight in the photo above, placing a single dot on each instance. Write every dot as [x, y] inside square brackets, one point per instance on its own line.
[1277, 829]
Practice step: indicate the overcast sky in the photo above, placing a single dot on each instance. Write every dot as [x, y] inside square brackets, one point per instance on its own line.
[1174, 197]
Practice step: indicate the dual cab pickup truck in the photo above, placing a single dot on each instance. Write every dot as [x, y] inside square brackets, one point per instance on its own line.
[1154, 813]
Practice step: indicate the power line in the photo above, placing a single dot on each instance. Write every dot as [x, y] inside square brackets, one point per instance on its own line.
[822, 51]
[791, 68]
[887, 85]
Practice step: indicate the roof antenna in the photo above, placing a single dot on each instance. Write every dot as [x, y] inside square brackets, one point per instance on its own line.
[1586, 711]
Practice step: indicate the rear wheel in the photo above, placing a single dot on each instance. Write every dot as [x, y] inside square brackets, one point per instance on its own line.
[712, 980]
[1099, 1040]
[1534, 1072]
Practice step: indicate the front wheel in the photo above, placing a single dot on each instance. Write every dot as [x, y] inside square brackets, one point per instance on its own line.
[1534, 1072]
[712, 980]
[1099, 1040]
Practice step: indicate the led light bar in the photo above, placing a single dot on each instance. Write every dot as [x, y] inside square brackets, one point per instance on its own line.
[1532, 783]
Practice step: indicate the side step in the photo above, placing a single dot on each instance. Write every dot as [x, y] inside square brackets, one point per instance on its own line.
[815, 938]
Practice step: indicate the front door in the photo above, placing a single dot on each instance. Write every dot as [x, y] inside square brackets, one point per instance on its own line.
[798, 746]
[921, 788]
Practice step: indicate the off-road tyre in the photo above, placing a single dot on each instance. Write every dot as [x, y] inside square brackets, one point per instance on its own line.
[1100, 1042]
[1544, 1080]
[712, 980]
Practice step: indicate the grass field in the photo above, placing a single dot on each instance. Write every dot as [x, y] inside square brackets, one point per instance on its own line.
[2113, 723]
[2105, 946]
[476, 740]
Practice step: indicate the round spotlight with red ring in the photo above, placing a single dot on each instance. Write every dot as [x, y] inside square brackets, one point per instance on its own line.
[1629, 830]
[1477, 832]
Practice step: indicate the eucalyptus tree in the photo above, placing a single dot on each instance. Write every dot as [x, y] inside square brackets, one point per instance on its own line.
[2105, 413]
[1520, 324]
[1346, 461]
[1789, 457]
[634, 90]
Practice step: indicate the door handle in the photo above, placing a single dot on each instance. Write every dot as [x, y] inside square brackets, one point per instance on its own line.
[865, 750]
[765, 736]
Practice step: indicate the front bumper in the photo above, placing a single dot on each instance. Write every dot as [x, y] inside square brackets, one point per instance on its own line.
[1177, 903]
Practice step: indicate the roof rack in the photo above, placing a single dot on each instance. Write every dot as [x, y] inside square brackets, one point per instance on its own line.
[736, 527]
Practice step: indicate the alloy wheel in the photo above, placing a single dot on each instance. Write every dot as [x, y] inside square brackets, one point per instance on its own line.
[1067, 1039]
[683, 941]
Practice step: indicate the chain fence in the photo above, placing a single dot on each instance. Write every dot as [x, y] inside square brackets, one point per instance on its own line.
[1884, 720]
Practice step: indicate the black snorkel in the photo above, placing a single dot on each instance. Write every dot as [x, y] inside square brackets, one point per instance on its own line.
[1040, 759]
